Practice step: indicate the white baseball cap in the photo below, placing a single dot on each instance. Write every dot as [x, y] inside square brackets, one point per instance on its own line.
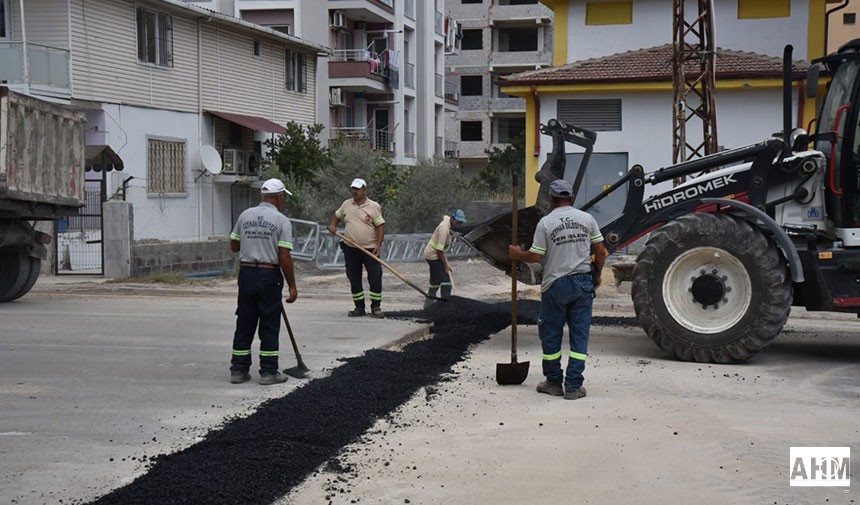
[274, 187]
[358, 183]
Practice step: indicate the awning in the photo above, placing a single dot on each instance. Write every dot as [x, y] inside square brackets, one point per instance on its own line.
[102, 158]
[259, 124]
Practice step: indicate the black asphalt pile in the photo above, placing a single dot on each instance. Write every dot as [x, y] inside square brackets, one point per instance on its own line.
[259, 458]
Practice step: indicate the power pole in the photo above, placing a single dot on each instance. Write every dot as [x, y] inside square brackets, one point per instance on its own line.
[693, 81]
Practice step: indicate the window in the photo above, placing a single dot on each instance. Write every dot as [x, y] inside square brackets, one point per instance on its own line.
[472, 39]
[4, 29]
[595, 115]
[760, 9]
[472, 1]
[257, 50]
[609, 13]
[509, 128]
[471, 131]
[166, 170]
[518, 39]
[471, 85]
[849, 18]
[282, 28]
[154, 37]
[296, 71]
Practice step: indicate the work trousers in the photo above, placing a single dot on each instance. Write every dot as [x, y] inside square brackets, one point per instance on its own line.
[355, 260]
[568, 300]
[440, 279]
[259, 304]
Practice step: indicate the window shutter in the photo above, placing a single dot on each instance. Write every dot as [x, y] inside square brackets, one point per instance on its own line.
[596, 115]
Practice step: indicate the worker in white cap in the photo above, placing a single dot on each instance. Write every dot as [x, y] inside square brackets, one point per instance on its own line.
[364, 226]
[263, 237]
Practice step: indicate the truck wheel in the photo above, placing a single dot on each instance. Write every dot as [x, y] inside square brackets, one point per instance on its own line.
[14, 271]
[32, 277]
[711, 288]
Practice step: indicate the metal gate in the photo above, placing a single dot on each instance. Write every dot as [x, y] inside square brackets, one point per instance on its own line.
[79, 248]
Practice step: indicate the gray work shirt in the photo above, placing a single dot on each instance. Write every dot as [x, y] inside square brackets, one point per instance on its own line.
[564, 237]
[261, 231]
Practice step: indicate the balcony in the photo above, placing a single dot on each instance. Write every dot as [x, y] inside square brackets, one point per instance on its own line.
[409, 140]
[378, 140]
[452, 150]
[370, 11]
[47, 68]
[409, 75]
[358, 70]
[440, 85]
[520, 14]
[410, 9]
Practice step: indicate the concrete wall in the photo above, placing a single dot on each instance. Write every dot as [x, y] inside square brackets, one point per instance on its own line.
[117, 237]
[181, 257]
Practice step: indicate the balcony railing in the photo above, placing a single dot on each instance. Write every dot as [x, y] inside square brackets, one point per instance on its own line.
[47, 66]
[409, 75]
[377, 65]
[451, 150]
[440, 23]
[440, 85]
[378, 140]
[439, 146]
[410, 144]
[410, 9]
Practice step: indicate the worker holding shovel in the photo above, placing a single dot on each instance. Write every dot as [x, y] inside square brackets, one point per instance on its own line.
[263, 238]
[364, 228]
[563, 243]
[436, 255]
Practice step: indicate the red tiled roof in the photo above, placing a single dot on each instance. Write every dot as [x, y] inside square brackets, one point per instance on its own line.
[652, 64]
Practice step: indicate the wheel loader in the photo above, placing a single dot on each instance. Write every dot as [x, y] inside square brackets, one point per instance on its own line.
[751, 232]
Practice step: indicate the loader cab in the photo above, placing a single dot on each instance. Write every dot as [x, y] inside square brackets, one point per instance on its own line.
[839, 139]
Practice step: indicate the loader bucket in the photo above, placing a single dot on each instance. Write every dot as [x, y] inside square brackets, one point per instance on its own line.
[492, 238]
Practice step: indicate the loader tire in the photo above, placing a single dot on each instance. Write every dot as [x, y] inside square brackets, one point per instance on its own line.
[711, 288]
[14, 272]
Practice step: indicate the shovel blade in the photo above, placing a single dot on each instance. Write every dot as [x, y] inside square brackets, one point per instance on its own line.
[299, 371]
[511, 373]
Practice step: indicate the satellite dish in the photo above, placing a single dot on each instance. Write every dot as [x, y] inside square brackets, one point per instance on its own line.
[211, 160]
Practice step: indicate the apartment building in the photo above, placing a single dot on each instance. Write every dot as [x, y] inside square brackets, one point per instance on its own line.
[383, 84]
[500, 37]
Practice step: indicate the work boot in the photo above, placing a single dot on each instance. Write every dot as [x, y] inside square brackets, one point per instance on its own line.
[272, 378]
[550, 388]
[575, 394]
[377, 312]
[238, 377]
[357, 312]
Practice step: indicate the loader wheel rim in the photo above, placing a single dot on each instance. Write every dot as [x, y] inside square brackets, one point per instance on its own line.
[707, 290]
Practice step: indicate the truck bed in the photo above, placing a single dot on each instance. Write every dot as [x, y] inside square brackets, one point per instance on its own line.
[42, 148]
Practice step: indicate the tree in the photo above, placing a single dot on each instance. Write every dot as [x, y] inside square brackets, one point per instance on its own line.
[496, 177]
[298, 154]
[432, 189]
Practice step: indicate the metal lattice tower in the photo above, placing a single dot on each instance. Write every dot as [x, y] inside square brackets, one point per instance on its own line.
[693, 80]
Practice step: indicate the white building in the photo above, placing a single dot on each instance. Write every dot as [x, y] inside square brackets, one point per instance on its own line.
[612, 73]
[383, 83]
[158, 79]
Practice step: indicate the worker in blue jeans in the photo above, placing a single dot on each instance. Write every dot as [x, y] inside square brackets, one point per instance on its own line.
[564, 242]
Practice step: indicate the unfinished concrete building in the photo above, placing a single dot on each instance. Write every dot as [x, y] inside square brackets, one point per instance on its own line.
[499, 37]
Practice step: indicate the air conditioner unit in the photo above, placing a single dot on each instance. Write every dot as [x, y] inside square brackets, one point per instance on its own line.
[337, 20]
[336, 96]
[234, 161]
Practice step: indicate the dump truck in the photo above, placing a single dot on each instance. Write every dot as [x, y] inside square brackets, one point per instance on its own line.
[42, 152]
[752, 232]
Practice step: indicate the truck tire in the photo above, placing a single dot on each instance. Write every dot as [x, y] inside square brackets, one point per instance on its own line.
[32, 277]
[711, 288]
[14, 272]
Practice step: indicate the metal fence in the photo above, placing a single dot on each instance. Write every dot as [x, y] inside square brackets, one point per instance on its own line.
[312, 242]
[79, 237]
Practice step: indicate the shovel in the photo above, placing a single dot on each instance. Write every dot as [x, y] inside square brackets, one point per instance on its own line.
[299, 371]
[513, 372]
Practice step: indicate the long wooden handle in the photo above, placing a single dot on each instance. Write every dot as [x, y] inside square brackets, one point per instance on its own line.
[292, 338]
[383, 263]
[515, 241]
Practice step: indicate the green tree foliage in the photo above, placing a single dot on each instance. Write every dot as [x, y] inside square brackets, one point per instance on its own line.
[432, 189]
[298, 154]
[495, 179]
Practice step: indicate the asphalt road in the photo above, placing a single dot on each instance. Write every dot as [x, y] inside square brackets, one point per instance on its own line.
[94, 383]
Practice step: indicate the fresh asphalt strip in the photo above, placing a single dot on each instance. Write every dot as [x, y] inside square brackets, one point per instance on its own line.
[259, 458]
